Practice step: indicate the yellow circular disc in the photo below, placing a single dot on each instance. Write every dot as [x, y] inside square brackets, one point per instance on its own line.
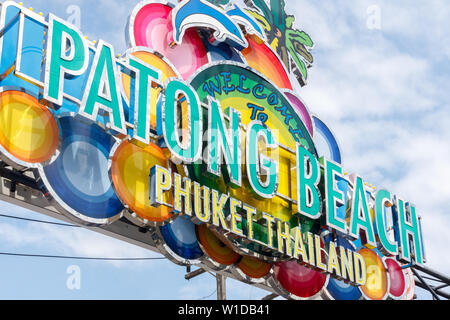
[28, 130]
[130, 170]
[166, 72]
[278, 207]
[377, 283]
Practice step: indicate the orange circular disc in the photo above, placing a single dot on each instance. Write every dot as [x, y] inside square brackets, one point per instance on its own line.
[130, 170]
[214, 248]
[254, 268]
[377, 282]
[28, 131]
[262, 58]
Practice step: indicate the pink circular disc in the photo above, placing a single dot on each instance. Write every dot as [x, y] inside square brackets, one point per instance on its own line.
[300, 281]
[396, 278]
[152, 28]
[302, 110]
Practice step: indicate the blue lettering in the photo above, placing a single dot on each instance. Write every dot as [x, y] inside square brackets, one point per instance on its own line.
[241, 88]
[257, 92]
[284, 112]
[261, 116]
[211, 87]
[226, 79]
[273, 99]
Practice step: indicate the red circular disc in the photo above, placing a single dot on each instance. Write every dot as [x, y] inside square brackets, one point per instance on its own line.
[397, 279]
[300, 281]
[410, 284]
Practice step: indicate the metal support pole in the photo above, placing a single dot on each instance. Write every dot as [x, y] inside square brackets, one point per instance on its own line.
[441, 287]
[425, 284]
[194, 274]
[17, 177]
[270, 297]
[221, 287]
[433, 273]
[438, 291]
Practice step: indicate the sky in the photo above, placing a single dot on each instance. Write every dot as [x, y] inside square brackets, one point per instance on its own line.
[379, 81]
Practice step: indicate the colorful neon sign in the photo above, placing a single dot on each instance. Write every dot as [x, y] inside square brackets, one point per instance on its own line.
[196, 134]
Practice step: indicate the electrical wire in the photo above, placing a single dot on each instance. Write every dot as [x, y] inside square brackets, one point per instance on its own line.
[204, 298]
[25, 255]
[40, 221]
[77, 258]
[65, 257]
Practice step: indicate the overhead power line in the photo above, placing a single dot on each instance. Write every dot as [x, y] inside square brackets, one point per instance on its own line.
[77, 258]
[26, 255]
[39, 221]
[209, 296]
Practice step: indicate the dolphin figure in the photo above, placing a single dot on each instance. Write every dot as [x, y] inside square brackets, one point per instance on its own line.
[198, 13]
[239, 16]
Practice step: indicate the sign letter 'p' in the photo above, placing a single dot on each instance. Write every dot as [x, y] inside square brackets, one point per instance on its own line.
[160, 182]
[67, 54]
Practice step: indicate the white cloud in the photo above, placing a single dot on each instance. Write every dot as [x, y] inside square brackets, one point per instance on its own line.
[36, 238]
[382, 94]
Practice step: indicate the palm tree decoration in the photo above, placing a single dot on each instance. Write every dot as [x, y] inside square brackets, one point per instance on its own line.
[293, 46]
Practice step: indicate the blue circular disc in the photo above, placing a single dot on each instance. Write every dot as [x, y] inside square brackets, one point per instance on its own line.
[325, 133]
[181, 238]
[338, 289]
[79, 179]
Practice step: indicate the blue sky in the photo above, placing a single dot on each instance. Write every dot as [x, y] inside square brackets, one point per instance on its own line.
[383, 91]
